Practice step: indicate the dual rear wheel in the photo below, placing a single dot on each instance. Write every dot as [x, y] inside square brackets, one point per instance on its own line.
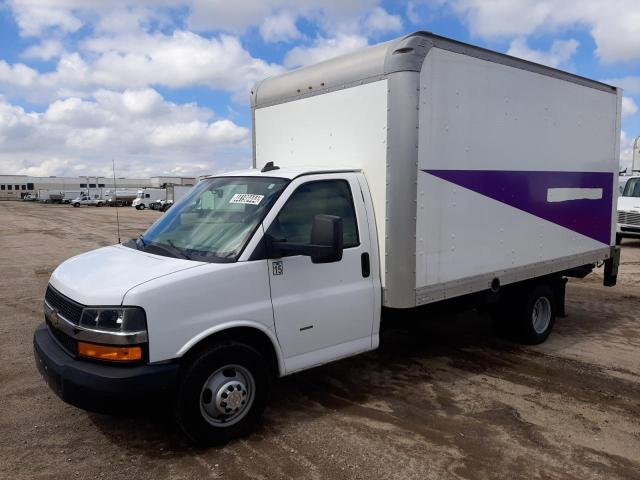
[527, 314]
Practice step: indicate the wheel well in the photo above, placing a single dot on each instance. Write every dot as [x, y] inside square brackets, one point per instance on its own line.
[247, 335]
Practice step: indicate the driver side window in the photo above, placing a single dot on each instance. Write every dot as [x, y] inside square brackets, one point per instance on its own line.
[330, 197]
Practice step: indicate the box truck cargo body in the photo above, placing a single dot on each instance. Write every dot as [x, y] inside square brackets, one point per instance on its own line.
[481, 166]
[417, 172]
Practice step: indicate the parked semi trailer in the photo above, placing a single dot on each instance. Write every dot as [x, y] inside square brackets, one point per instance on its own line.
[120, 198]
[390, 179]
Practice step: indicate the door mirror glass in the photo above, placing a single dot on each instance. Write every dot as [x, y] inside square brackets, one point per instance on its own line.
[326, 239]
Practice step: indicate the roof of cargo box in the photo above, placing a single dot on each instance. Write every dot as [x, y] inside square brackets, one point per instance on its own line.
[373, 63]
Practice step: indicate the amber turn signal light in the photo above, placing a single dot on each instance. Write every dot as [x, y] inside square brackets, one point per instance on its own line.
[107, 352]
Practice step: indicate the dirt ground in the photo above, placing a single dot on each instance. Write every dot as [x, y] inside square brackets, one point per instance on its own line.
[448, 401]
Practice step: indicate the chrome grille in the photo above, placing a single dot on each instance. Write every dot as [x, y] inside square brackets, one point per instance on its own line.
[66, 307]
[629, 218]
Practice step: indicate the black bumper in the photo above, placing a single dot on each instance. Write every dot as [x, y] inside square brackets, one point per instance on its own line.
[98, 387]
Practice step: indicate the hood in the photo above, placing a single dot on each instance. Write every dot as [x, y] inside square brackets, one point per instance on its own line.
[104, 276]
[627, 204]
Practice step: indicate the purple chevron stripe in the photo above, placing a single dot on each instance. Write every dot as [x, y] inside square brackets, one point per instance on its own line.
[527, 191]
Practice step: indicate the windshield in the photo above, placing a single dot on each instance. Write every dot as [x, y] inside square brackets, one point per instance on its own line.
[632, 188]
[214, 221]
[140, 195]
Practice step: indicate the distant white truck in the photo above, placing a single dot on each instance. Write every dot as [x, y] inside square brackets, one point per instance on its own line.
[385, 180]
[87, 200]
[628, 225]
[147, 196]
[174, 195]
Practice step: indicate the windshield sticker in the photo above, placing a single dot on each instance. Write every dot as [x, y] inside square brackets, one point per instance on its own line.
[246, 198]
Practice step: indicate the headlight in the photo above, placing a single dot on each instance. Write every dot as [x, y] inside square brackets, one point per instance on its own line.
[114, 319]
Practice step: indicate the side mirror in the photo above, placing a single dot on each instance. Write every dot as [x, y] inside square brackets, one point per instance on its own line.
[326, 241]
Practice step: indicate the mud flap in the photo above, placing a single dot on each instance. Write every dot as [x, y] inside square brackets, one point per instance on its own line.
[611, 268]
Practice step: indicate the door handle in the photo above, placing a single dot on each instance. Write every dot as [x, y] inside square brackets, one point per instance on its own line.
[364, 263]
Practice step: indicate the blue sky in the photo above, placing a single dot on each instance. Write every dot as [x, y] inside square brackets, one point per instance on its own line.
[162, 85]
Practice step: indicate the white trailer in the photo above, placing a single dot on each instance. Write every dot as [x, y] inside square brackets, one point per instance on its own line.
[147, 196]
[394, 177]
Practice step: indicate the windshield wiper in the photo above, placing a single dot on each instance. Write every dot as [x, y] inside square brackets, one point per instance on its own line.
[180, 252]
[141, 239]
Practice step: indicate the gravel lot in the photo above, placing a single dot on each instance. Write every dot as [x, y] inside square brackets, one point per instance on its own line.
[447, 400]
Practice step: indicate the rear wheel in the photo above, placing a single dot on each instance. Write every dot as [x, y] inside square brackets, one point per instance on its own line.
[527, 315]
[99, 204]
[76, 205]
[222, 393]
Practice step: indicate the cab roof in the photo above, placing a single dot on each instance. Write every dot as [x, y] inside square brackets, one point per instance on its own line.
[284, 172]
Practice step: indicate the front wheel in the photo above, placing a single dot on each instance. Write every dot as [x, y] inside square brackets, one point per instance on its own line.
[222, 393]
[76, 205]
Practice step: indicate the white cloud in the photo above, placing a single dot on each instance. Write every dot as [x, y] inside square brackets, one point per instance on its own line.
[211, 15]
[629, 107]
[614, 25]
[380, 21]
[34, 18]
[626, 150]
[280, 27]
[323, 49]
[182, 59]
[145, 133]
[45, 50]
[560, 53]
[628, 84]
[18, 75]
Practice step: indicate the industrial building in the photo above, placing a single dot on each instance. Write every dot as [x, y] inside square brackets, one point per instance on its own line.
[15, 187]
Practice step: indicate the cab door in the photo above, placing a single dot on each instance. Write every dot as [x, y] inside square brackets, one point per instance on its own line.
[322, 311]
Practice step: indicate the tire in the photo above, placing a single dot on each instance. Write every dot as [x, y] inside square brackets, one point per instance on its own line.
[99, 204]
[618, 238]
[205, 388]
[513, 317]
[141, 207]
[76, 205]
[537, 315]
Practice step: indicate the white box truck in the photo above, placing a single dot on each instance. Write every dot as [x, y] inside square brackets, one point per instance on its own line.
[147, 196]
[422, 171]
[629, 200]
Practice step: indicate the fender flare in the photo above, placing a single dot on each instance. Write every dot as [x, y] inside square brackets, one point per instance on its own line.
[271, 335]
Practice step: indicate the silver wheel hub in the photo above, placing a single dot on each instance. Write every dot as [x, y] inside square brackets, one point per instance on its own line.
[541, 315]
[231, 397]
[227, 395]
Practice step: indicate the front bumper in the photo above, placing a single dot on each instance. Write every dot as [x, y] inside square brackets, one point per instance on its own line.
[95, 386]
[628, 230]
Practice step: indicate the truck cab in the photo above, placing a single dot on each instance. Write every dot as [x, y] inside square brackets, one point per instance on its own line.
[628, 224]
[268, 265]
